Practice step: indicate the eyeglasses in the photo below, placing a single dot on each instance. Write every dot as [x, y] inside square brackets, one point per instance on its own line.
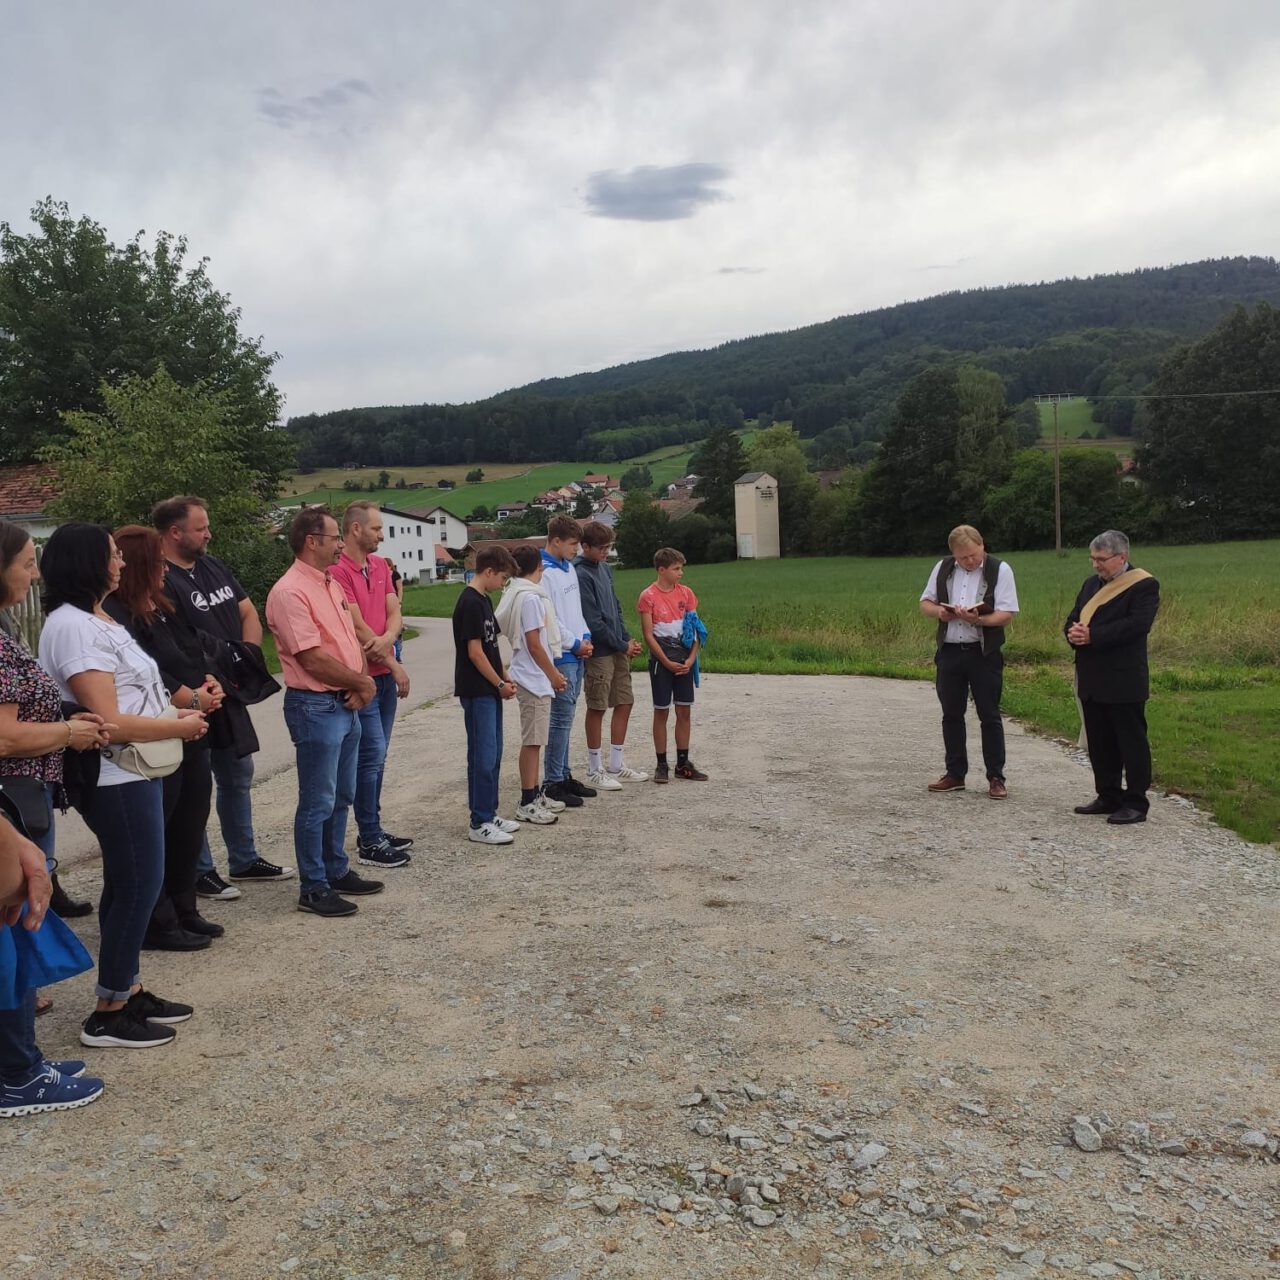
[321, 537]
[1103, 559]
[118, 555]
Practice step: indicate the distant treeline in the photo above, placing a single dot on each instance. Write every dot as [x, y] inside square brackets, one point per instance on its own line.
[1104, 336]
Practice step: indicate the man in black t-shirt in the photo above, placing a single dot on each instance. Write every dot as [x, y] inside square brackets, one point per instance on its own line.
[481, 687]
[208, 596]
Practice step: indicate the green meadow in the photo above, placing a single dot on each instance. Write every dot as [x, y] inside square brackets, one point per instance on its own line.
[509, 486]
[1215, 649]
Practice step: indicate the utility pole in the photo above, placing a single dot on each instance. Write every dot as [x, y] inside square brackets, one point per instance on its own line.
[1057, 482]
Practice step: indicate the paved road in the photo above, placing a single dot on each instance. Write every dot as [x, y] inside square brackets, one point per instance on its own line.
[428, 658]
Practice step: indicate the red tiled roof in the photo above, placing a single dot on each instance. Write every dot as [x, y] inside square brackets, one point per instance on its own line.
[678, 507]
[26, 489]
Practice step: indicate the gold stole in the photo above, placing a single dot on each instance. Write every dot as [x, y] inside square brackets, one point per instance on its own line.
[1116, 587]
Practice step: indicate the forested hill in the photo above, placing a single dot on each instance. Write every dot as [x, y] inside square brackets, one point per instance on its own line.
[1104, 334]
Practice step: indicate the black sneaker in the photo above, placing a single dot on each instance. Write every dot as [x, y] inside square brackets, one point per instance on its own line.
[261, 869]
[324, 902]
[690, 772]
[400, 842]
[142, 1004]
[558, 791]
[577, 788]
[381, 853]
[661, 773]
[123, 1029]
[212, 885]
[356, 885]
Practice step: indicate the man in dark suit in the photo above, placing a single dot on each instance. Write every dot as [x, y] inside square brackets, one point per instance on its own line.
[1108, 631]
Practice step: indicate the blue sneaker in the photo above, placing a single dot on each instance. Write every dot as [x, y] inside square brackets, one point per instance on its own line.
[72, 1067]
[50, 1090]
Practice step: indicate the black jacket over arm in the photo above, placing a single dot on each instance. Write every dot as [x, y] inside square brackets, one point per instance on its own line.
[1112, 667]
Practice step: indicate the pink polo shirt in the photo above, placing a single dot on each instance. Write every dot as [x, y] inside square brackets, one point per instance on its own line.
[367, 589]
[307, 609]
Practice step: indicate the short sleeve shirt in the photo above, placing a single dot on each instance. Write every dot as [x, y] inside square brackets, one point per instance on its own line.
[473, 620]
[667, 609]
[25, 684]
[207, 595]
[524, 671]
[74, 641]
[306, 609]
[966, 588]
[367, 588]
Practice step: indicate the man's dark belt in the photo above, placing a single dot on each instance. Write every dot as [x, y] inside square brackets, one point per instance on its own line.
[962, 644]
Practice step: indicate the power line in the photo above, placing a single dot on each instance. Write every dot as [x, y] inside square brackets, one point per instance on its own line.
[1181, 395]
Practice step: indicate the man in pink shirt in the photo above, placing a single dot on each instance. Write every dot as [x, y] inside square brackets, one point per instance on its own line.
[328, 683]
[365, 578]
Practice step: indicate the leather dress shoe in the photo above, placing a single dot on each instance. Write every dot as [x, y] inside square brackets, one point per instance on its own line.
[198, 924]
[175, 940]
[947, 783]
[1127, 814]
[1095, 806]
[997, 790]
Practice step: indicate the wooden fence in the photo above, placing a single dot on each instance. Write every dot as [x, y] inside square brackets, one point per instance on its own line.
[28, 618]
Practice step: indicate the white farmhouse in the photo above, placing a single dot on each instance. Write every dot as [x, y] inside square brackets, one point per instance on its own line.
[412, 539]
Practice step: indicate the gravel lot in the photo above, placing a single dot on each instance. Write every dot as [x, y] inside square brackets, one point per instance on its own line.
[802, 1020]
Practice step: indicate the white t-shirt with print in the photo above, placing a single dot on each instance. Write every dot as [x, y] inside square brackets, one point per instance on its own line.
[74, 641]
[524, 671]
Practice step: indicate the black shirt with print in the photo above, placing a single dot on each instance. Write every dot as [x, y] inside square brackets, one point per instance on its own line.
[473, 620]
[207, 595]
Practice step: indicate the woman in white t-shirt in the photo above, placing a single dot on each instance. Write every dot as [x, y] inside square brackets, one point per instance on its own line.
[98, 664]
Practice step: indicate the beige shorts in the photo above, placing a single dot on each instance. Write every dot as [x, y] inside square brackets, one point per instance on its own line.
[535, 717]
[607, 682]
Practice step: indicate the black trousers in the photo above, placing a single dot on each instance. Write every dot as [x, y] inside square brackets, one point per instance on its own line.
[187, 795]
[1117, 734]
[962, 670]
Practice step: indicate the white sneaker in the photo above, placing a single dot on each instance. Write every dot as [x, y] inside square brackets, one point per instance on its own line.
[626, 774]
[550, 804]
[488, 833]
[602, 780]
[505, 824]
[535, 813]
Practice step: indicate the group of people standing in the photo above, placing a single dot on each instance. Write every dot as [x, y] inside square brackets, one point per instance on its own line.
[134, 705]
[137, 704]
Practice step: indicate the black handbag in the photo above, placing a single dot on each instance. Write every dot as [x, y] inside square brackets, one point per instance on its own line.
[27, 805]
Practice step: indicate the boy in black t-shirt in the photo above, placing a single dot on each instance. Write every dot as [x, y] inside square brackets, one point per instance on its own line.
[481, 686]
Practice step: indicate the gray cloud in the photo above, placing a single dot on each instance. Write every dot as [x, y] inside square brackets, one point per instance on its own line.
[739, 271]
[654, 193]
[285, 112]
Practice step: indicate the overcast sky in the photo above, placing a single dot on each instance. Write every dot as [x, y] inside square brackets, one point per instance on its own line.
[436, 200]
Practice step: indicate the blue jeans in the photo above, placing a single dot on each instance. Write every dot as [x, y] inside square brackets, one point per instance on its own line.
[129, 823]
[326, 740]
[20, 1056]
[234, 776]
[483, 717]
[563, 705]
[376, 722]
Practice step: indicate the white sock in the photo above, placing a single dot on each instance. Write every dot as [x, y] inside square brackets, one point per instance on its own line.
[615, 757]
[593, 760]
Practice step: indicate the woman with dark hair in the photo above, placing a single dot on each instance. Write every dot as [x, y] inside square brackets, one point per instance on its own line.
[33, 737]
[98, 664]
[140, 603]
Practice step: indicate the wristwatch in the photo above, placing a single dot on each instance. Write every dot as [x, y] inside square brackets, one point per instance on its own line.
[195, 699]
[502, 684]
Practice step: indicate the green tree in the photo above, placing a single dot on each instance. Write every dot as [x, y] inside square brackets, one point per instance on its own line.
[641, 529]
[637, 477]
[1216, 459]
[780, 452]
[78, 313]
[950, 440]
[717, 462]
[475, 475]
[152, 439]
[384, 480]
[1018, 515]
[583, 506]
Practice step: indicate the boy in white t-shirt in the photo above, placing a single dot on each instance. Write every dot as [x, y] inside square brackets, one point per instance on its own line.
[526, 618]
